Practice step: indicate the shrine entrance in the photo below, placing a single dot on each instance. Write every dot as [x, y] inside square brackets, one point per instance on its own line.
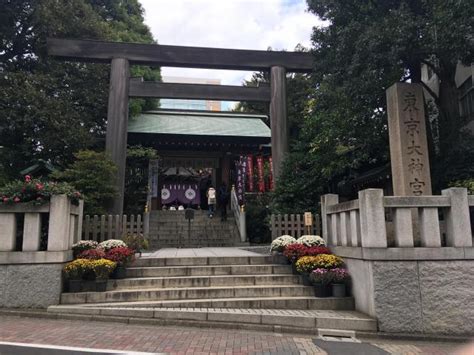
[122, 55]
[197, 150]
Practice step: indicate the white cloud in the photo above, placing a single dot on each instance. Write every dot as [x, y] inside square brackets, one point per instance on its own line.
[243, 24]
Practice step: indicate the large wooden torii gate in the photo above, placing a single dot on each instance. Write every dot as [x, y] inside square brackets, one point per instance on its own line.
[122, 55]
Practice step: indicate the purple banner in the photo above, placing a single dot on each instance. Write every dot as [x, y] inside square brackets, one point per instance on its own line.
[181, 193]
[240, 186]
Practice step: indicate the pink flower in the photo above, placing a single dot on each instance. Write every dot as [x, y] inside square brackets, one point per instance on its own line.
[5, 199]
[28, 178]
[39, 186]
[16, 199]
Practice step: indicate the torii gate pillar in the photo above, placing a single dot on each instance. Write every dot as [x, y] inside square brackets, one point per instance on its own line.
[278, 118]
[117, 121]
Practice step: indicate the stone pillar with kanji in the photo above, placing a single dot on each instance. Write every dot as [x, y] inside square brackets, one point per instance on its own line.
[408, 142]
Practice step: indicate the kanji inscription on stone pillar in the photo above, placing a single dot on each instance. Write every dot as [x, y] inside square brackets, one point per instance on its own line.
[408, 142]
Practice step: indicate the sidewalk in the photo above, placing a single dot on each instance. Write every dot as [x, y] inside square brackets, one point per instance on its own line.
[181, 340]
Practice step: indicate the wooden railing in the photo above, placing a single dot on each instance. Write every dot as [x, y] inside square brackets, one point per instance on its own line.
[104, 227]
[410, 220]
[239, 215]
[293, 224]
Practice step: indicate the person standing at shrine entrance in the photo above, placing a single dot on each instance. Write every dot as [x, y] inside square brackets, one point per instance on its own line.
[211, 201]
[223, 201]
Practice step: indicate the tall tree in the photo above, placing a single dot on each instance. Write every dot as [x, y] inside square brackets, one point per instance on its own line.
[369, 45]
[366, 47]
[51, 109]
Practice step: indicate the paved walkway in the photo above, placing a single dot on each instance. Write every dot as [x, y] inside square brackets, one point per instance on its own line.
[181, 340]
[198, 252]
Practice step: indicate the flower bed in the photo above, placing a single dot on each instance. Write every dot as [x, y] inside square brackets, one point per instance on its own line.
[97, 261]
[36, 191]
[293, 252]
[317, 266]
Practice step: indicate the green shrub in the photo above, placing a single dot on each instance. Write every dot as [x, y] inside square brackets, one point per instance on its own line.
[257, 215]
[92, 174]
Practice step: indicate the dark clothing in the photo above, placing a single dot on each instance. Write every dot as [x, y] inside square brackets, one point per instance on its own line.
[223, 197]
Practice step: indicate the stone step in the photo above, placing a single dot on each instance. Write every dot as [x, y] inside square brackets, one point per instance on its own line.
[175, 244]
[213, 260]
[328, 303]
[207, 270]
[289, 320]
[202, 281]
[187, 293]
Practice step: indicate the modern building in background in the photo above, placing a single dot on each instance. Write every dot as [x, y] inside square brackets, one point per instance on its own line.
[197, 105]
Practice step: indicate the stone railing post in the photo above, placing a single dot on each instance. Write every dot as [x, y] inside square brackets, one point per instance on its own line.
[328, 233]
[32, 232]
[458, 224]
[7, 231]
[372, 219]
[59, 220]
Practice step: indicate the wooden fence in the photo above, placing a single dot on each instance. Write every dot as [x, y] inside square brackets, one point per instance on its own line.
[104, 227]
[293, 224]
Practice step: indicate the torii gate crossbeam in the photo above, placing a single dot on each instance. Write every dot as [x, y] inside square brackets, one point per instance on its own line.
[121, 55]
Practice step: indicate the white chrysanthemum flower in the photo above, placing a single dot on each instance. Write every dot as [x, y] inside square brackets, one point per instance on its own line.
[280, 243]
[311, 240]
[111, 244]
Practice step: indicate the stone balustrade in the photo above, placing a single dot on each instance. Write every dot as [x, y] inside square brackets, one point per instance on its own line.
[410, 258]
[413, 220]
[35, 243]
[64, 225]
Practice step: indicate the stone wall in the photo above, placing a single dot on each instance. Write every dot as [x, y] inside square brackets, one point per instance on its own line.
[30, 286]
[416, 296]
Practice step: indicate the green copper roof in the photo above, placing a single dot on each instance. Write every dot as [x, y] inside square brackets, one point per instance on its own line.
[200, 123]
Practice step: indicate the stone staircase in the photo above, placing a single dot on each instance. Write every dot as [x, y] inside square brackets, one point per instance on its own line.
[245, 292]
[170, 229]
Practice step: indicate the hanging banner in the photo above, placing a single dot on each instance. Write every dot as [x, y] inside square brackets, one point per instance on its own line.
[270, 176]
[240, 185]
[250, 172]
[153, 176]
[261, 181]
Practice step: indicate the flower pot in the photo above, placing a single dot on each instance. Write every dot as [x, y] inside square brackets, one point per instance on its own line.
[75, 285]
[293, 268]
[322, 290]
[88, 286]
[338, 290]
[276, 253]
[119, 272]
[306, 280]
[100, 285]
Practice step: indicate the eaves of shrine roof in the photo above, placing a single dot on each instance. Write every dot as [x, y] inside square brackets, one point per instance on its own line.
[200, 123]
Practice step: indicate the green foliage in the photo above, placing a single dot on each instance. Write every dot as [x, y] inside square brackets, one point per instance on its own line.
[51, 109]
[136, 178]
[468, 184]
[370, 45]
[257, 214]
[366, 47]
[91, 174]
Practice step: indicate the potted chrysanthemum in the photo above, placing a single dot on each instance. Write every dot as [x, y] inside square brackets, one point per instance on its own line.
[280, 243]
[321, 279]
[339, 278]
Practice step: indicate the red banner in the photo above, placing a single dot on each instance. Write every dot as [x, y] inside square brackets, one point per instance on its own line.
[261, 181]
[250, 172]
[270, 176]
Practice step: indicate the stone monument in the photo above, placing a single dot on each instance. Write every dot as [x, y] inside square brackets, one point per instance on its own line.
[408, 143]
